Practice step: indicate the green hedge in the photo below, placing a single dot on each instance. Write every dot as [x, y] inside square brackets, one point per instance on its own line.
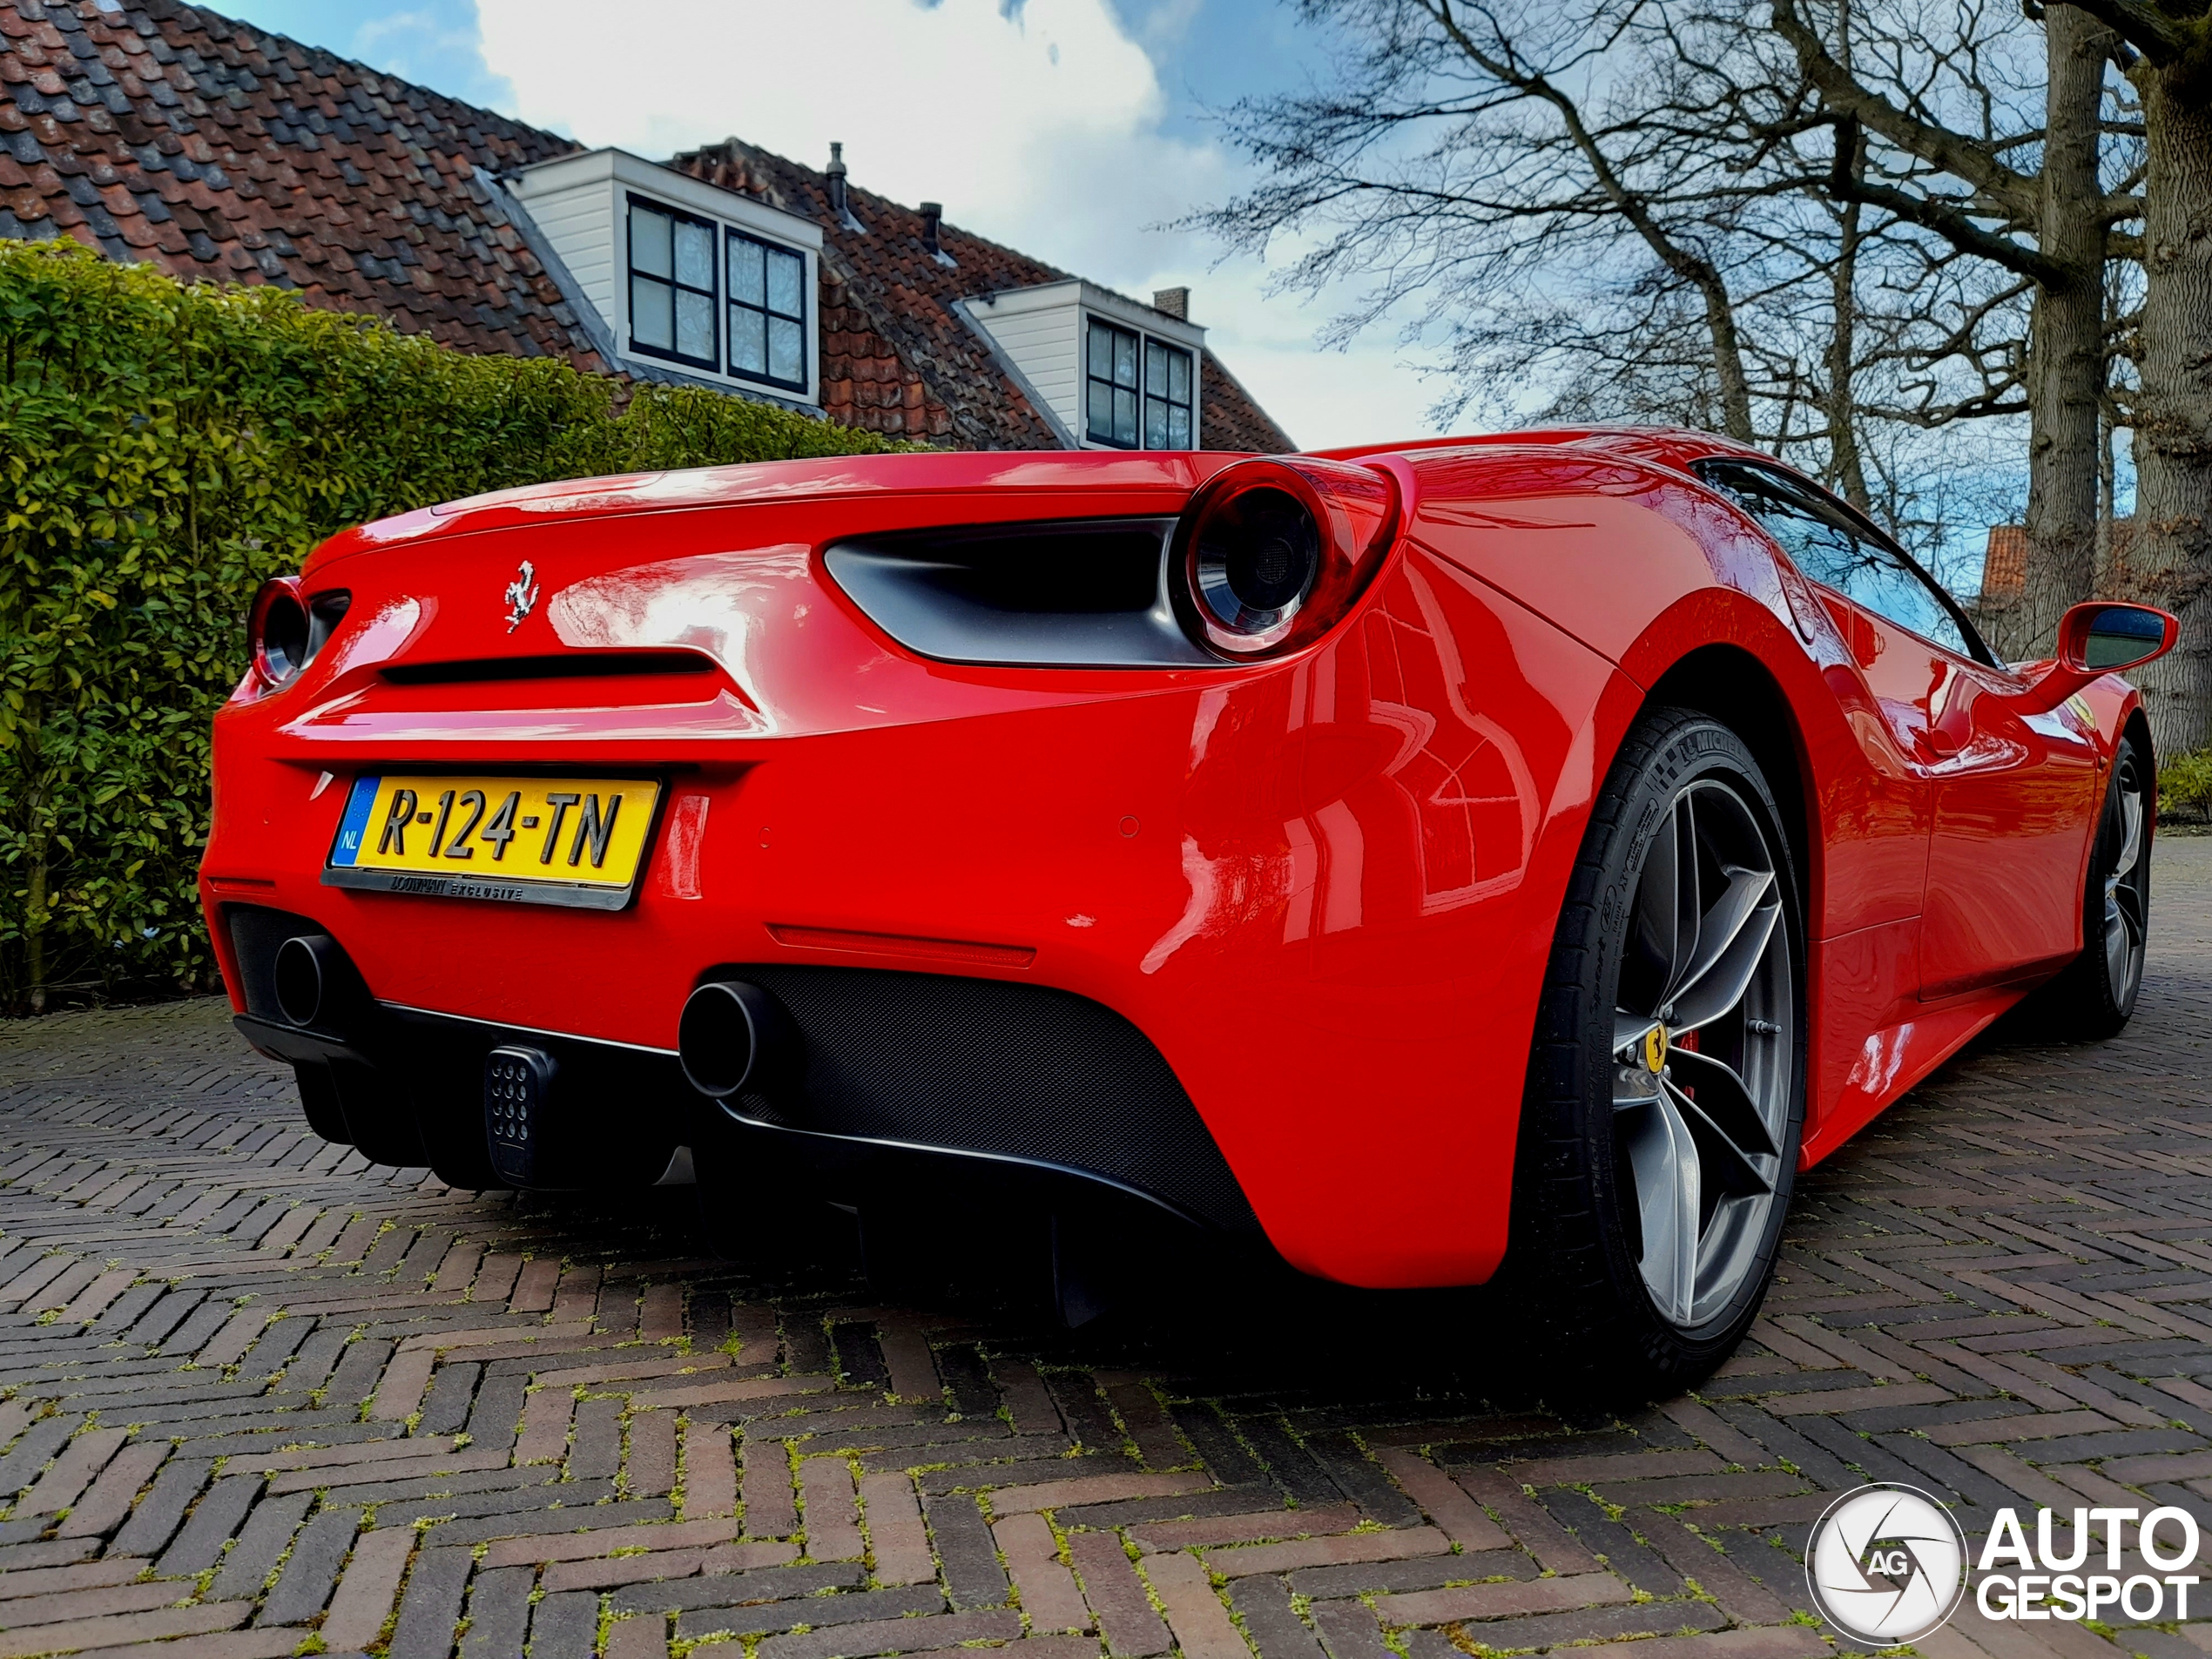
[2185, 787]
[163, 449]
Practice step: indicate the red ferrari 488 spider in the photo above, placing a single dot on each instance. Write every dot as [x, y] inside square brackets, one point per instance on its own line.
[1523, 853]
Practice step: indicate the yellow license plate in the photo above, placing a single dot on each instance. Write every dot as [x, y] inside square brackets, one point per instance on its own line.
[578, 841]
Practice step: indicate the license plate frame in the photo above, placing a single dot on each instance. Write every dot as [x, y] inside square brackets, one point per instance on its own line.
[361, 819]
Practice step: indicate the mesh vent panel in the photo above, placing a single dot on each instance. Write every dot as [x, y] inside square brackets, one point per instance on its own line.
[984, 1066]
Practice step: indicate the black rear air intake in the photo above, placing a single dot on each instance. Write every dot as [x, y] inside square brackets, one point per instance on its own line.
[1068, 593]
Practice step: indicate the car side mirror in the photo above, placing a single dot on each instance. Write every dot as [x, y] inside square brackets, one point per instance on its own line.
[2097, 639]
[2105, 638]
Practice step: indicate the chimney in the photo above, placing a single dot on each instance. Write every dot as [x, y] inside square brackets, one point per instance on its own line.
[931, 213]
[1176, 302]
[836, 174]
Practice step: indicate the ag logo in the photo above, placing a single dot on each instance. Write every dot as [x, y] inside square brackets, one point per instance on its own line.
[1887, 1564]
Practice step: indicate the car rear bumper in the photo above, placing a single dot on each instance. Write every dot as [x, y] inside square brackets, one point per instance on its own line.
[1027, 1087]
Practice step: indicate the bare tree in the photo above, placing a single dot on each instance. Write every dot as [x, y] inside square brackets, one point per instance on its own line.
[1479, 161]
[1931, 131]
[1629, 200]
[2166, 52]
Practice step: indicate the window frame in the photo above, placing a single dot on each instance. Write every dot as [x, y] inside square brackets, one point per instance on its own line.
[712, 362]
[1092, 325]
[1170, 351]
[1852, 523]
[1146, 344]
[731, 234]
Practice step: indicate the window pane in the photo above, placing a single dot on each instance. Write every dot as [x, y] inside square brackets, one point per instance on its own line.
[1825, 547]
[649, 242]
[1155, 369]
[785, 271]
[1156, 424]
[652, 318]
[1179, 427]
[1889, 589]
[694, 255]
[1125, 361]
[1102, 410]
[1102, 351]
[695, 324]
[748, 342]
[1125, 417]
[747, 281]
[786, 360]
[1179, 376]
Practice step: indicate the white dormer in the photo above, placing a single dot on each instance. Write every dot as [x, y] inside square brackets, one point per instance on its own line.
[691, 279]
[1114, 374]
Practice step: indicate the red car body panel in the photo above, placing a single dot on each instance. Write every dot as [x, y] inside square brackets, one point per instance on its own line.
[1324, 887]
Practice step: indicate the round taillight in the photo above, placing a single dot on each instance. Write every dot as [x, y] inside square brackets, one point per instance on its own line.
[1272, 553]
[279, 630]
[1253, 562]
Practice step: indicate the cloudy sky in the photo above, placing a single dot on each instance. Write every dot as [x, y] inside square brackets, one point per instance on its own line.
[1066, 128]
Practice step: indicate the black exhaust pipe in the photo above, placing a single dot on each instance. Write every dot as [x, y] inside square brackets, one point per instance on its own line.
[735, 1038]
[312, 978]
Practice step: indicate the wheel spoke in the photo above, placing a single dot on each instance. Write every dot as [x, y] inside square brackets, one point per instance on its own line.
[1628, 1033]
[1723, 1096]
[1722, 985]
[1662, 1154]
[1723, 1167]
[2130, 901]
[1731, 912]
[1689, 909]
[2131, 832]
[1659, 923]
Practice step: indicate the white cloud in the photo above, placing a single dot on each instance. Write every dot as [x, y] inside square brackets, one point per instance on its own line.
[1038, 126]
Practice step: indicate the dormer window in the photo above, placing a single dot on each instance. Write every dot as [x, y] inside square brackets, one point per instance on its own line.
[671, 285]
[767, 312]
[680, 279]
[1137, 390]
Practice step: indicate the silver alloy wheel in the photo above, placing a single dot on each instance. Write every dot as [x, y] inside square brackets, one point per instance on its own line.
[2126, 902]
[1704, 1028]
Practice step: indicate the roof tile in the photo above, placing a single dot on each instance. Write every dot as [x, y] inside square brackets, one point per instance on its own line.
[162, 109]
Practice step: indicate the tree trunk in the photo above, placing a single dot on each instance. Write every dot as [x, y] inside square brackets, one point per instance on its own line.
[2066, 365]
[37, 839]
[2170, 558]
[34, 929]
[1846, 468]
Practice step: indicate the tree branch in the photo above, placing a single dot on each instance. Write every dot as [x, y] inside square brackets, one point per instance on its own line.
[2145, 26]
[1953, 224]
[1963, 157]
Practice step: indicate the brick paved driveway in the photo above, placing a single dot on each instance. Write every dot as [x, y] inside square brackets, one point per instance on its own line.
[259, 1398]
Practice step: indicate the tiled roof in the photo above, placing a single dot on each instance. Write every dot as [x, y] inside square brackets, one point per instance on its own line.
[2003, 564]
[896, 300]
[1230, 418]
[164, 134]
